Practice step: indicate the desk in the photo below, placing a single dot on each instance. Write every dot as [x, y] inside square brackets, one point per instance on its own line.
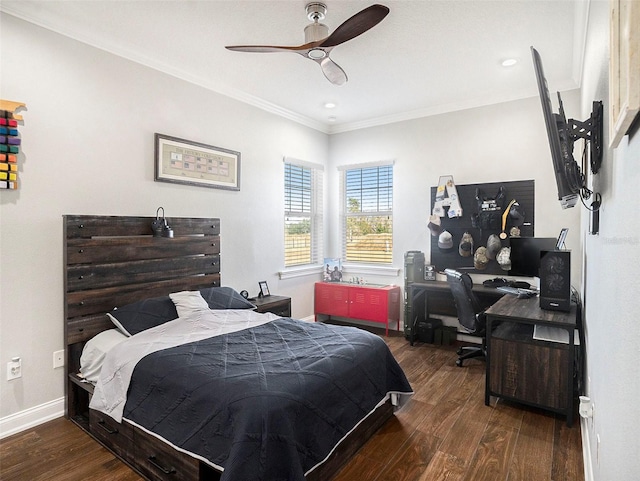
[523, 369]
[421, 299]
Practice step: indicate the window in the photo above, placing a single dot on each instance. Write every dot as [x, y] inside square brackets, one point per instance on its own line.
[367, 206]
[302, 213]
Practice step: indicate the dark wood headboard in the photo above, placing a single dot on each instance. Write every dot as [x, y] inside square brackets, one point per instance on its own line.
[111, 261]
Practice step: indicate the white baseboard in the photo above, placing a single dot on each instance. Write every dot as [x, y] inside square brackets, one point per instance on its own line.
[23, 420]
[586, 449]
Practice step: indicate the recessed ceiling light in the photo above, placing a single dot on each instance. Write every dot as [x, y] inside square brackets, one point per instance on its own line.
[509, 62]
[329, 105]
[331, 119]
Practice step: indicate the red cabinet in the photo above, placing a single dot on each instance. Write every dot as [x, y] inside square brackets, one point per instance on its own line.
[354, 301]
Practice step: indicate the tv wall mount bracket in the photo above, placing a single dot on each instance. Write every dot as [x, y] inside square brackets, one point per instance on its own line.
[590, 130]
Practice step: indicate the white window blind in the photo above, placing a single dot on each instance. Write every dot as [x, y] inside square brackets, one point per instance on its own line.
[302, 213]
[367, 208]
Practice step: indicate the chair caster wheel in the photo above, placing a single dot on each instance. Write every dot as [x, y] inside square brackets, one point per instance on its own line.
[459, 351]
[459, 363]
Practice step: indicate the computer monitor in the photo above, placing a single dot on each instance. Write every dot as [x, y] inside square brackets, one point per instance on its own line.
[525, 254]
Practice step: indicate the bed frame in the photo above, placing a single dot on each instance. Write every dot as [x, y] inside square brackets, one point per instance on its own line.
[111, 261]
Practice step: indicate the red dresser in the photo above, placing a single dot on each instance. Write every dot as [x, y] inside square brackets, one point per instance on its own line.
[355, 301]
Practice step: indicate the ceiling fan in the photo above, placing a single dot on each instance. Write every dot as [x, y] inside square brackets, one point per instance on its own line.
[318, 43]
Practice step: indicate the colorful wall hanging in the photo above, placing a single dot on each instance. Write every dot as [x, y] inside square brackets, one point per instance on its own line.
[9, 144]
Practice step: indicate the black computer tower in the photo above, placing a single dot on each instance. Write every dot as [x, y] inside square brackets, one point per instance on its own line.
[555, 280]
[413, 272]
[413, 266]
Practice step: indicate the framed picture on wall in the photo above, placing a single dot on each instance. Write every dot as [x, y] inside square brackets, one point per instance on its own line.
[185, 162]
[624, 69]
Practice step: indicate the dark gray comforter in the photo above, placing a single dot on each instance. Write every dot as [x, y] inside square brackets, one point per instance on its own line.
[266, 403]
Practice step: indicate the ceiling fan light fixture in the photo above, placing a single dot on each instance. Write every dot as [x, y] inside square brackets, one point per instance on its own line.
[316, 53]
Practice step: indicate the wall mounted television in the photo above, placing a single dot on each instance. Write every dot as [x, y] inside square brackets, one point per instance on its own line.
[562, 134]
[525, 254]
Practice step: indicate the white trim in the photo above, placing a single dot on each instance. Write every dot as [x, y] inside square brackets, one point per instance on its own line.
[364, 165]
[303, 163]
[23, 420]
[587, 461]
[371, 270]
[209, 83]
[581, 19]
[300, 272]
[581, 28]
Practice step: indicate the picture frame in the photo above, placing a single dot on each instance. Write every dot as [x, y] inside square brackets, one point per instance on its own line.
[333, 270]
[561, 238]
[264, 289]
[181, 161]
[624, 68]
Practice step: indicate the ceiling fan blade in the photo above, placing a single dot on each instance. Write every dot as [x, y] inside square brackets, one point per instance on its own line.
[332, 71]
[356, 25]
[261, 48]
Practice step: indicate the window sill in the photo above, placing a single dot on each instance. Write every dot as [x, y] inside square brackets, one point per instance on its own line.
[356, 269]
[300, 272]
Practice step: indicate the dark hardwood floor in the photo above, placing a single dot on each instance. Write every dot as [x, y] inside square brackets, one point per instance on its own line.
[445, 432]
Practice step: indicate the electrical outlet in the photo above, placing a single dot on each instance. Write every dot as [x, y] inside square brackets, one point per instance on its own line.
[14, 368]
[58, 359]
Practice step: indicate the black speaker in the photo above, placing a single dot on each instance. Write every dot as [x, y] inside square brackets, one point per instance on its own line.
[555, 280]
[429, 273]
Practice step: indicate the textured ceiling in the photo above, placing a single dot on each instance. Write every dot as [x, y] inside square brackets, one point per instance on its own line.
[426, 57]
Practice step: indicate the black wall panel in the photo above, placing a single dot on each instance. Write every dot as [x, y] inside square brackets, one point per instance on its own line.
[522, 191]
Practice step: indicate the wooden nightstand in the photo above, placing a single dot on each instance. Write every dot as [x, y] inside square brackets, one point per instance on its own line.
[279, 305]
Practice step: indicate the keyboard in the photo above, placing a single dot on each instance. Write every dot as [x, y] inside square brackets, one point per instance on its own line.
[518, 291]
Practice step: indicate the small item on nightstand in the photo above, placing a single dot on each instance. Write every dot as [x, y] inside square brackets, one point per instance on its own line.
[264, 289]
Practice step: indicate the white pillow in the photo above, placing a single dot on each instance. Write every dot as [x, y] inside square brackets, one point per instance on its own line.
[95, 350]
[188, 301]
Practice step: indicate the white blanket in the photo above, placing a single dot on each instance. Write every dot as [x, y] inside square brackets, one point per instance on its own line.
[110, 393]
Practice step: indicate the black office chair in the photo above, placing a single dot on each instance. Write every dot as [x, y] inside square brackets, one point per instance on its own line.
[470, 314]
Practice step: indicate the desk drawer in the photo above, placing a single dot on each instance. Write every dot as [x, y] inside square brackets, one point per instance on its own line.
[118, 437]
[280, 309]
[159, 461]
[536, 374]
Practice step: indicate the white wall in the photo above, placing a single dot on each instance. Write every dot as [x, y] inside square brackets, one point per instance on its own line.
[88, 149]
[502, 142]
[612, 282]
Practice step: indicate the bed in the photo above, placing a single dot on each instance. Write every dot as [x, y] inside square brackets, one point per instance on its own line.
[115, 261]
